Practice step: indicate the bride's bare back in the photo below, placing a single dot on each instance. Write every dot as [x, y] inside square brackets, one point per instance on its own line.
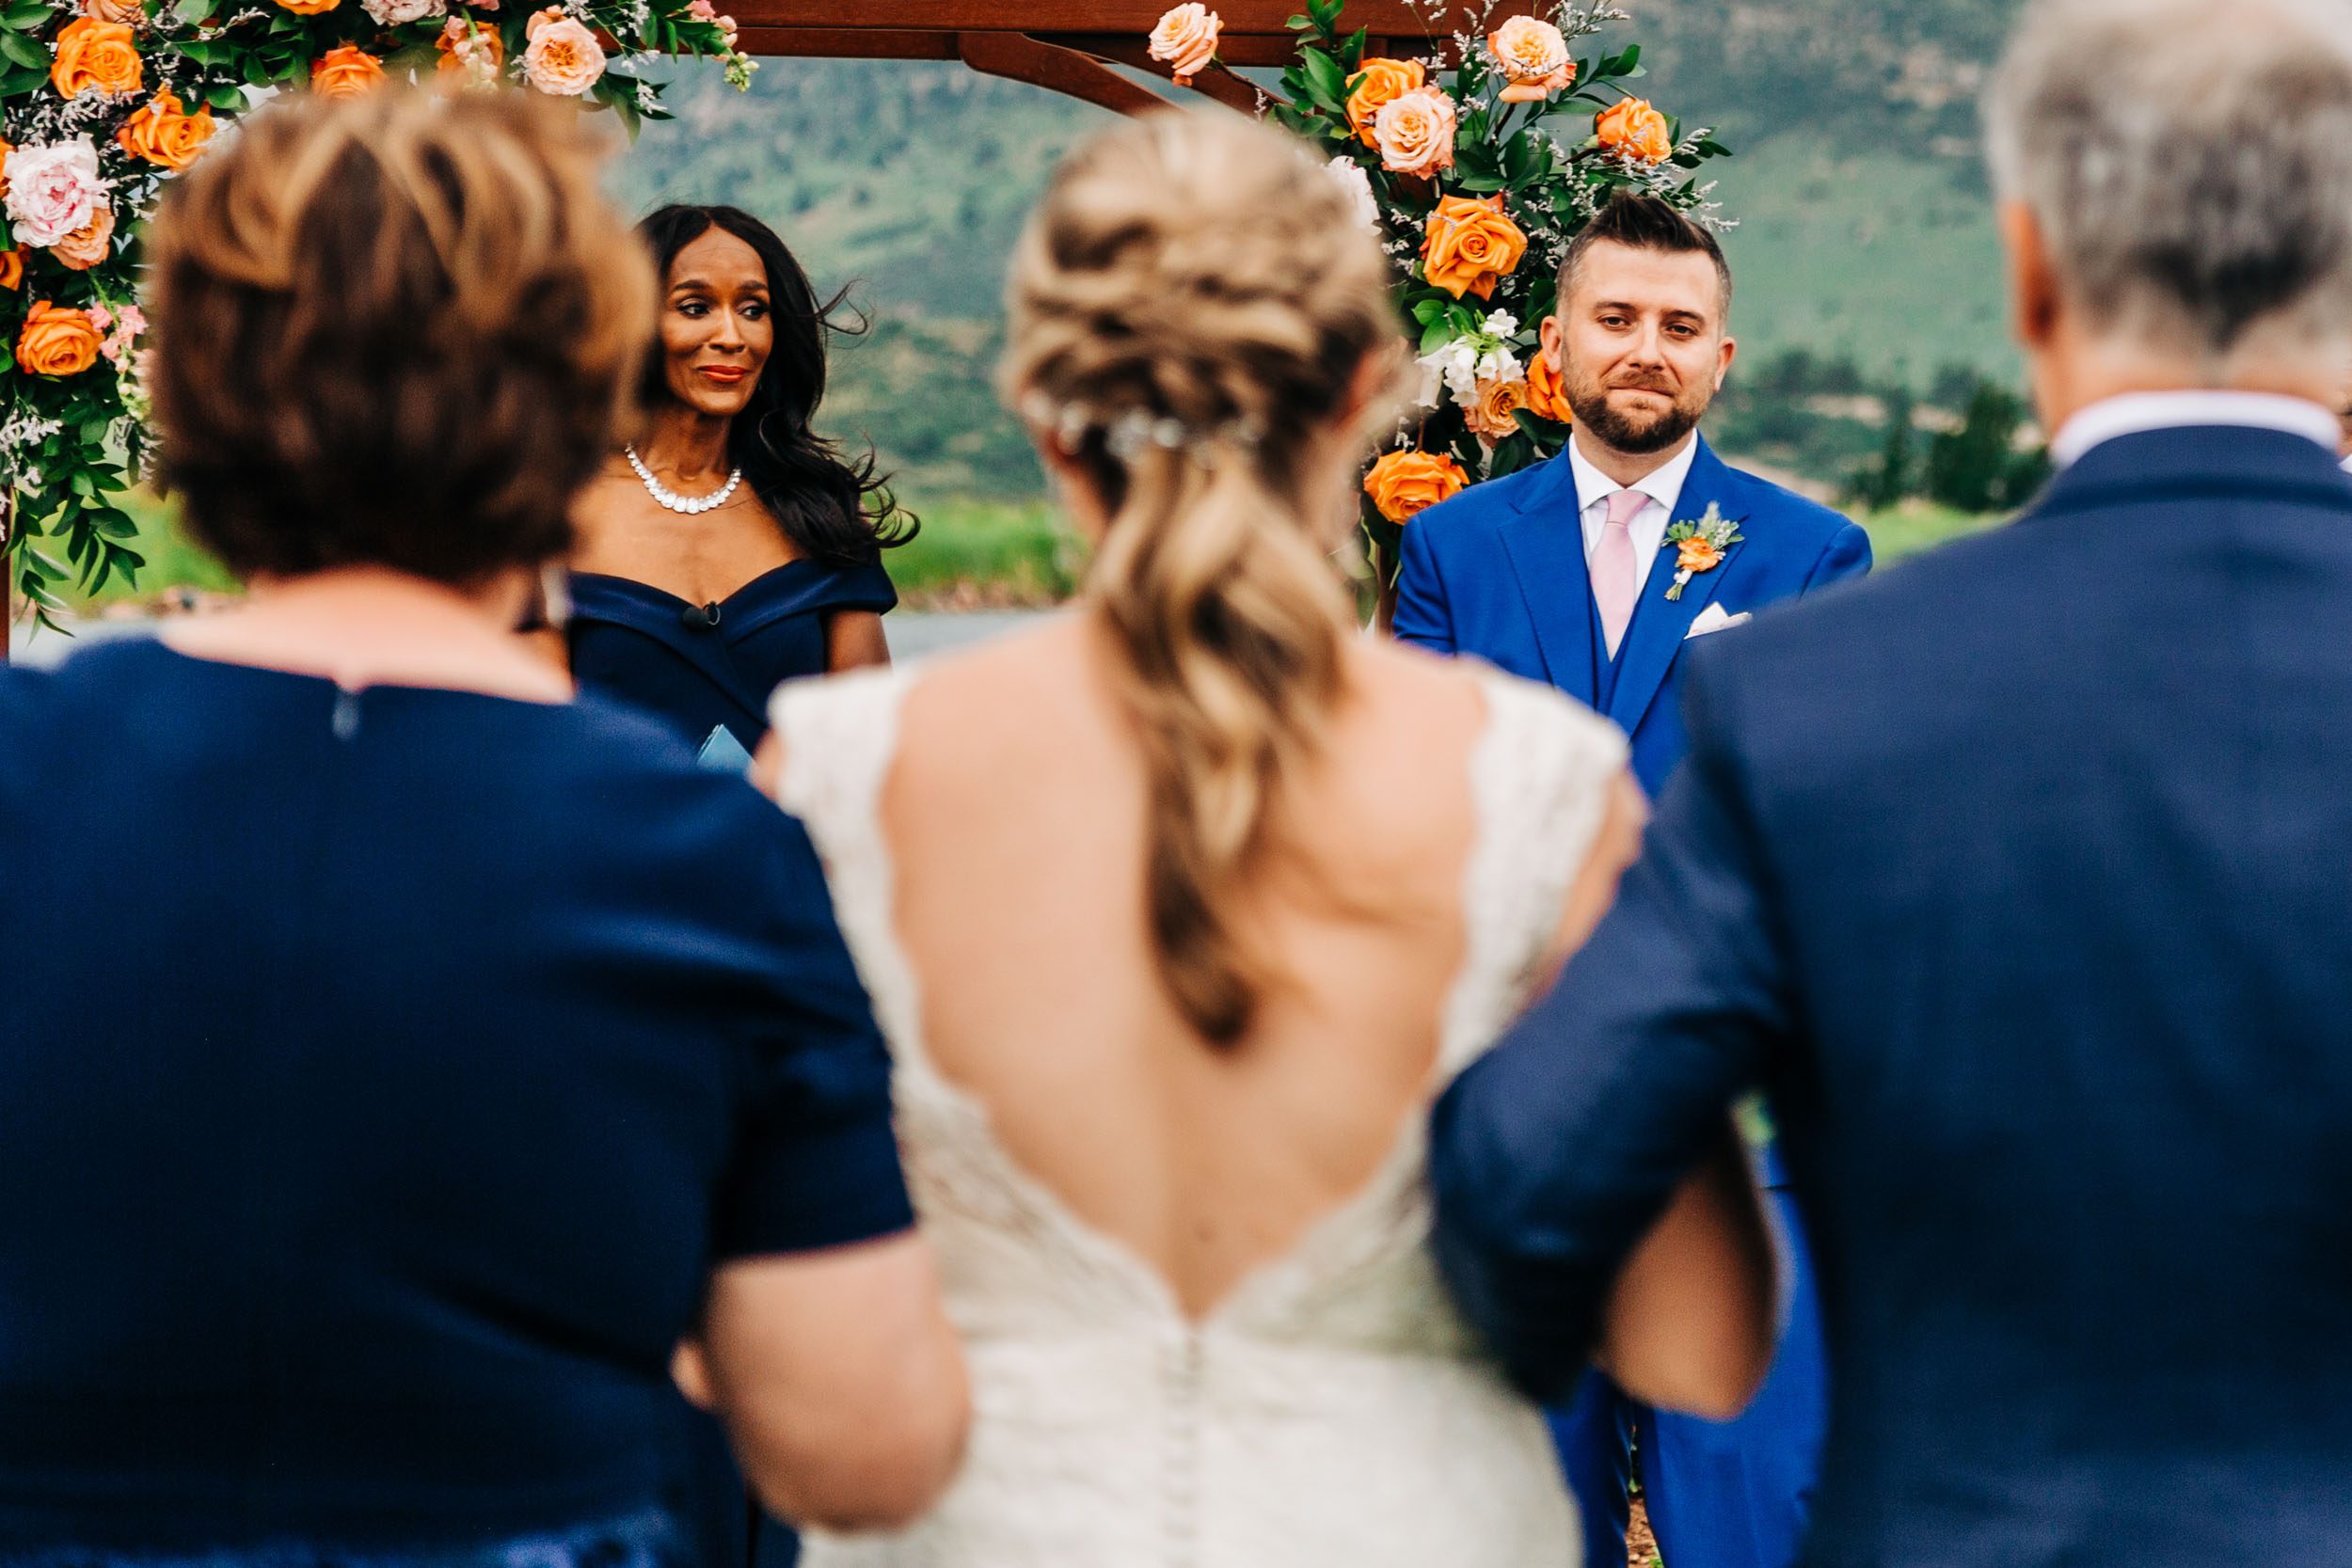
[1015, 811]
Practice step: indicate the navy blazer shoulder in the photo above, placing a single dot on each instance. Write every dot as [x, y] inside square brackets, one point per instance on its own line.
[2015, 877]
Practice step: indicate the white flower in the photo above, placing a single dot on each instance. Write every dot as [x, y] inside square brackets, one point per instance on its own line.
[1358, 184]
[53, 191]
[1499, 364]
[399, 13]
[1502, 324]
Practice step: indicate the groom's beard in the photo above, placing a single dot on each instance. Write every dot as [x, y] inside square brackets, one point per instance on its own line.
[1636, 434]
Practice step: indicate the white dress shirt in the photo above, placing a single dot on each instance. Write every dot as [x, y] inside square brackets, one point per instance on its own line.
[2135, 413]
[1663, 485]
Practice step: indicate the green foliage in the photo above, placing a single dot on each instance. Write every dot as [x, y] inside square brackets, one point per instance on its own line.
[72, 442]
[1981, 467]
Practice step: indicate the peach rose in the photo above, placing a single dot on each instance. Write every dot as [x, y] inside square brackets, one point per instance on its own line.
[7, 147]
[1472, 246]
[1547, 394]
[1488, 415]
[1379, 84]
[346, 71]
[1533, 54]
[1186, 39]
[1636, 130]
[58, 341]
[130, 14]
[563, 58]
[470, 48]
[1697, 555]
[94, 55]
[1415, 133]
[165, 133]
[89, 244]
[1405, 485]
[12, 268]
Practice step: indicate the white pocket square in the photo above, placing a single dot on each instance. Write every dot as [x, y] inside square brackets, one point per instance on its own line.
[1713, 619]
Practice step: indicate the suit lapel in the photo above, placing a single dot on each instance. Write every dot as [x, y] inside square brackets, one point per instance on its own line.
[1653, 640]
[1545, 545]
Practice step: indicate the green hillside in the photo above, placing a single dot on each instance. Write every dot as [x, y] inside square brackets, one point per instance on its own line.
[1864, 231]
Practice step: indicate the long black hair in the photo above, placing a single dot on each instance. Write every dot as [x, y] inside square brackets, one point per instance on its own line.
[833, 509]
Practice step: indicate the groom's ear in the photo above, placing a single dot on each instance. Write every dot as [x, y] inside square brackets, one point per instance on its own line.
[1723, 366]
[2034, 291]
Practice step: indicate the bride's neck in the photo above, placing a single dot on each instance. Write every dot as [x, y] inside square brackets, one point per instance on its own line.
[684, 445]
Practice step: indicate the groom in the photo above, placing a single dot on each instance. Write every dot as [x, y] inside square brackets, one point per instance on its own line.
[1569, 573]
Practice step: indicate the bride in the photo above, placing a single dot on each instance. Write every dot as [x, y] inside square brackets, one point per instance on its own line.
[1179, 910]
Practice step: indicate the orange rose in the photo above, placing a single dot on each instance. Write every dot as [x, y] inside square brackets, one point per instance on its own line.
[1377, 85]
[94, 55]
[163, 132]
[12, 268]
[345, 73]
[1472, 246]
[307, 8]
[130, 14]
[1636, 130]
[7, 147]
[1697, 555]
[1547, 394]
[89, 244]
[1405, 485]
[1490, 414]
[58, 341]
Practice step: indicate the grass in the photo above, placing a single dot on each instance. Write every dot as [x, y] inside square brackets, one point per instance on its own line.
[970, 554]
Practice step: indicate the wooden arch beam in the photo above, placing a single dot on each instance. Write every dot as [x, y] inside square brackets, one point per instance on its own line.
[1070, 46]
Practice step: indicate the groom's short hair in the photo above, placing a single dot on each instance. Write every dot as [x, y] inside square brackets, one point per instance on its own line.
[2189, 163]
[1646, 223]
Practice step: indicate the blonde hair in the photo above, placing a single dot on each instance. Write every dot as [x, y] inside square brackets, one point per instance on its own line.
[1192, 306]
[401, 331]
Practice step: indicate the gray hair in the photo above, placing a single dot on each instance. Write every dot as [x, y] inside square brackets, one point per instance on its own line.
[2189, 163]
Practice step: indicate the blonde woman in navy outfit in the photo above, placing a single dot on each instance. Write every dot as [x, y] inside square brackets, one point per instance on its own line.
[730, 547]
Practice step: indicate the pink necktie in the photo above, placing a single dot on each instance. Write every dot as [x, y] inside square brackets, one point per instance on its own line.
[1616, 577]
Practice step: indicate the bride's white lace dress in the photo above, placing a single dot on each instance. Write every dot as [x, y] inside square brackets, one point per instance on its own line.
[1333, 1409]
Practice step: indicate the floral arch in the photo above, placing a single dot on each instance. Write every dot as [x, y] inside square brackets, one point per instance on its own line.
[1478, 136]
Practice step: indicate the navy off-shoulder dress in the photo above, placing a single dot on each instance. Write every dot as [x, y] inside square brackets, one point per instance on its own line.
[701, 668]
[382, 1074]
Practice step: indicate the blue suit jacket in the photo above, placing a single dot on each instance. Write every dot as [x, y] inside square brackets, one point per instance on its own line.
[1498, 572]
[2018, 878]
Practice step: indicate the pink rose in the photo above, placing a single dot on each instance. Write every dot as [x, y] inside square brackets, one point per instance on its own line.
[54, 192]
[1186, 39]
[1534, 55]
[565, 57]
[1415, 132]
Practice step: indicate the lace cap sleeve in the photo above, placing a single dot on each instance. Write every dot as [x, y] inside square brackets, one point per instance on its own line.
[1541, 777]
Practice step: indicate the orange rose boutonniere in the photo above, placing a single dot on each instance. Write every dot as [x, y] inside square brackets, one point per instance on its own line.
[1700, 547]
[1405, 485]
[345, 73]
[1636, 130]
[12, 268]
[1373, 89]
[1472, 246]
[58, 341]
[95, 55]
[166, 135]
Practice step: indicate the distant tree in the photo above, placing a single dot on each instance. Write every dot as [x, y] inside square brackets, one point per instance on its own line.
[1891, 476]
[1978, 467]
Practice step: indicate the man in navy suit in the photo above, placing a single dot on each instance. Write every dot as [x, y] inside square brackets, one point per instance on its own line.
[2017, 877]
[1570, 573]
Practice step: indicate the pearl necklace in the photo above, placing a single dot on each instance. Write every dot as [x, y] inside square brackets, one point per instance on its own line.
[667, 498]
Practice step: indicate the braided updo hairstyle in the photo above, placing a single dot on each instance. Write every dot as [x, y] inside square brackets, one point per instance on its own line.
[1192, 307]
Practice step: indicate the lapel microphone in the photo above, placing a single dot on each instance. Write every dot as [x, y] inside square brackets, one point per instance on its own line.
[701, 617]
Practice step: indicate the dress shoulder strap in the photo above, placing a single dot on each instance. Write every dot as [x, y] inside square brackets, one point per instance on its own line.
[840, 734]
[1540, 780]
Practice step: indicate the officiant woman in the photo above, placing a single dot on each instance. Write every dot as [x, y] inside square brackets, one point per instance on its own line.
[729, 547]
[403, 1057]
